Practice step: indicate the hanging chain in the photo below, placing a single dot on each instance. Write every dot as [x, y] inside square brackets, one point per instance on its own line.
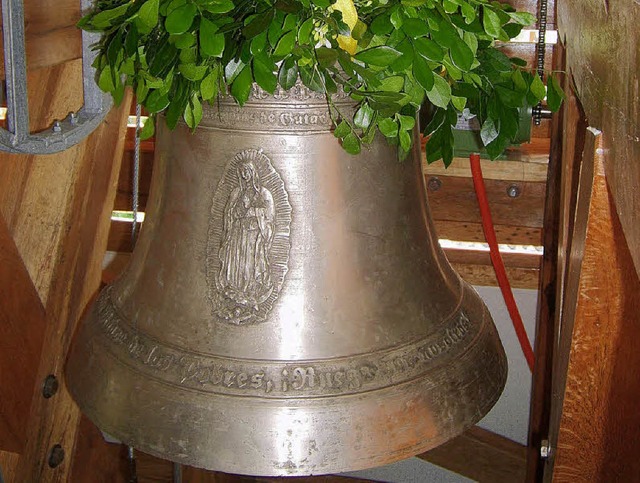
[135, 185]
[542, 32]
[133, 472]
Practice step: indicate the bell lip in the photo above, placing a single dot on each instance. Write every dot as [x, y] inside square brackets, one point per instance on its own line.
[398, 398]
[373, 461]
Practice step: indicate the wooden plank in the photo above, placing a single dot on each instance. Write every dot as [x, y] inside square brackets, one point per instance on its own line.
[22, 319]
[45, 49]
[484, 275]
[603, 41]
[57, 209]
[477, 257]
[570, 128]
[482, 456]
[501, 170]
[456, 201]
[472, 232]
[97, 461]
[8, 464]
[597, 435]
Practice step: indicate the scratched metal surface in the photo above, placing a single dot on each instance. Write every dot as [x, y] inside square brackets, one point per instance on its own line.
[287, 310]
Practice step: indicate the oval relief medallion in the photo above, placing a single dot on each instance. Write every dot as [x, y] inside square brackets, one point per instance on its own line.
[248, 245]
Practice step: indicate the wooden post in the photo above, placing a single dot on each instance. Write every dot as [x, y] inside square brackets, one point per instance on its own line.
[57, 209]
[595, 421]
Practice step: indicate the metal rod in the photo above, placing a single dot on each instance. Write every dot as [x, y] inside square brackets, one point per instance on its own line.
[177, 473]
[15, 66]
[542, 31]
[135, 185]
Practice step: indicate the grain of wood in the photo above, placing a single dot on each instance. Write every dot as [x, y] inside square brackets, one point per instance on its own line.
[482, 456]
[57, 209]
[597, 436]
[22, 318]
[484, 275]
[497, 170]
[456, 201]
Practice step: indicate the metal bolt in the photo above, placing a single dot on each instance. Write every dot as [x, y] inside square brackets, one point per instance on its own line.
[73, 118]
[57, 127]
[513, 191]
[50, 386]
[545, 449]
[434, 183]
[56, 456]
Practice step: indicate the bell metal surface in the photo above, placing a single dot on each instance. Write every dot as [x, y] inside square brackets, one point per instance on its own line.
[287, 309]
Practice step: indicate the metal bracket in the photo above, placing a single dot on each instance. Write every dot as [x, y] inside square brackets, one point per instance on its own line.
[63, 134]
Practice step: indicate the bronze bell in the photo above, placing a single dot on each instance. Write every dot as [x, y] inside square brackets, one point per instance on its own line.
[287, 309]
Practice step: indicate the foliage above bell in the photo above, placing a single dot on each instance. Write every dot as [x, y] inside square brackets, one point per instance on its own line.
[389, 55]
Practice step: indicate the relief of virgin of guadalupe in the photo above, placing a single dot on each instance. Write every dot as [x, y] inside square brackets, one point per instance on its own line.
[247, 235]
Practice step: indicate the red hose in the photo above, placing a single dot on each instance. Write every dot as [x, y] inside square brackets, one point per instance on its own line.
[496, 260]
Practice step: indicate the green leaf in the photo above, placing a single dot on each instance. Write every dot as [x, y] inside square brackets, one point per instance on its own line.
[106, 18]
[363, 116]
[380, 56]
[149, 128]
[468, 12]
[393, 83]
[211, 42]
[148, 13]
[259, 24]
[422, 73]
[263, 73]
[311, 78]
[440, 94]
[288, 73]
[218, 6]
[406, 122]
[156, 101]
[446, 34]
[183, 41]
[304, 32]
[459, 102]
[461, 56]
[429, 49]
[405, 140]
[509, 97]
[193, 112]
[241, 87]
[555, 94]
[285, 44]
[351, 144]
[209, 85]
[179, 21]
[489, 131]
[537, 88]
[522, 18]
[388, 127]
[415, 28]
[491, 22]
[105, 80]
[342, 129]
[193, 72]
[381, 25]
[326, 56]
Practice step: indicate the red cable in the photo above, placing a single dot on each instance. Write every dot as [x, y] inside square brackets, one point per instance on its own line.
[496, 259]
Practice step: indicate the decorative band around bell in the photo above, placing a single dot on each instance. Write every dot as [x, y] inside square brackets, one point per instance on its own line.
[298, 110]
[281, 379]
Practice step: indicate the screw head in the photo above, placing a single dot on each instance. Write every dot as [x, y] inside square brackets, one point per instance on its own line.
[56, 456]
[50, 386]
[57, 127]
[434, 183]
[513, 191]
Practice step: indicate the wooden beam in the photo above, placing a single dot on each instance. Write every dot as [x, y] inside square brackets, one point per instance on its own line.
[485, 275]
[595, 418]
[22, 322]
[455, 200]
[57, 209]
[482, 456]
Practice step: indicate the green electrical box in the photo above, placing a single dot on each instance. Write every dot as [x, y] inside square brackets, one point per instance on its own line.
[466, 135]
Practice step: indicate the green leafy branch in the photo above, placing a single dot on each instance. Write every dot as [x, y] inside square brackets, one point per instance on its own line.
[396, 55]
